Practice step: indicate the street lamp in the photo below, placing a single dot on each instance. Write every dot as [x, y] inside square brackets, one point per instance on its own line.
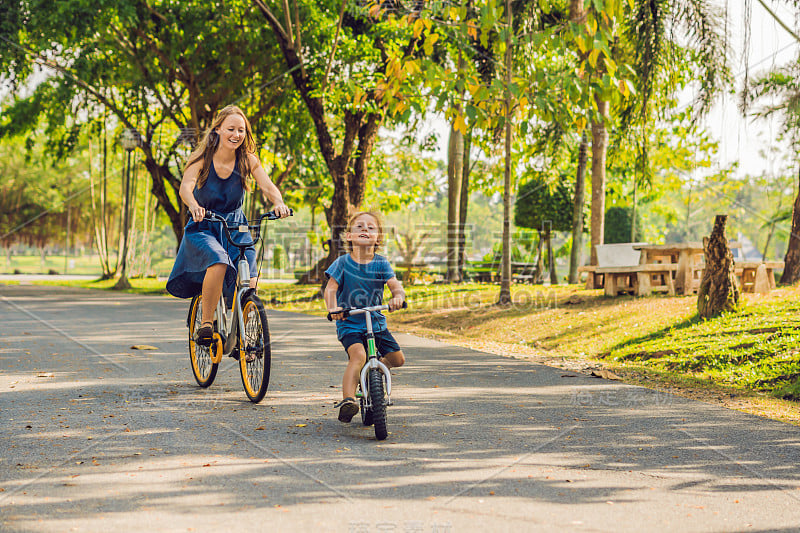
[129, 141]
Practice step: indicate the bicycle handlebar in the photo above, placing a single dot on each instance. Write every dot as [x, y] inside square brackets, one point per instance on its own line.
[269, 215]
[347, 311]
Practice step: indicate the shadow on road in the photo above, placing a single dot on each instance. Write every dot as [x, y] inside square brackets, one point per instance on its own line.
[118, 432]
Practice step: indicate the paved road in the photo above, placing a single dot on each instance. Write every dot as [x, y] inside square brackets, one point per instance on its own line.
[98, 437]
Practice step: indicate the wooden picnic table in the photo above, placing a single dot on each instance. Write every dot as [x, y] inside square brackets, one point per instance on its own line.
[688, 256]
[757, 276]
[639, 280]
[753, 276]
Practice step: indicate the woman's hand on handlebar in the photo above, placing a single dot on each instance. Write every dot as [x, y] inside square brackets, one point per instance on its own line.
[197, 212]
[282, 211]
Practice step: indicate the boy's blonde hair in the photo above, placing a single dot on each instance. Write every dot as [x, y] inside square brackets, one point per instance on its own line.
[378, 220]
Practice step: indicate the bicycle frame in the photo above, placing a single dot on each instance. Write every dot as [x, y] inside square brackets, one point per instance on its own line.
[372, 355]
[230, 327]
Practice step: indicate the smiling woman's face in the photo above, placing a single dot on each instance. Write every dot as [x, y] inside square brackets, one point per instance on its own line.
[232, 131]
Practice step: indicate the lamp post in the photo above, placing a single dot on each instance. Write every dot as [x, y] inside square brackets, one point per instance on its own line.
[129, 141]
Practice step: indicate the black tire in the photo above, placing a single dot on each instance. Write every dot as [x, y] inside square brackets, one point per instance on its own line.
[255, 345]
[203, 368]
[366, 412]
[378, 403]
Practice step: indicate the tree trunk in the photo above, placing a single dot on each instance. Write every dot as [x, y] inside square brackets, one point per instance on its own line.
[599, 146]
[633, 211]
[122, 271]
[538, 272]
[455, 168]
[505, 268]
[718, 289]
[336, 215]
[767, 243]
[577, 210]
[455, 174]
[551, 260]
[791, 269]
[98, 218]
[463, 207]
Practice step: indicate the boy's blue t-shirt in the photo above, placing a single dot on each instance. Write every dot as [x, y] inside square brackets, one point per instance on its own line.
[360, 286]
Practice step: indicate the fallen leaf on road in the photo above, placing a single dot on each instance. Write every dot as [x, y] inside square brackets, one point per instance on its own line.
[300, 425]
[606, 374]
[45, 375]
[143, 347]
[260, 428]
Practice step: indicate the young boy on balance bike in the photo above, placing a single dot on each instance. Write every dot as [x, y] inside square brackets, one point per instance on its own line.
[356, 279]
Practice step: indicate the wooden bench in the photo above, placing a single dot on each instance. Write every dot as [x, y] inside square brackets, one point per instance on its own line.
[615, 255]
[593, 279]
[524, 272]
[640, 280]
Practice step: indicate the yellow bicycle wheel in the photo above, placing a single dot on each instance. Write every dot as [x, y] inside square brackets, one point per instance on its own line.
[203, 367]
[255, 353]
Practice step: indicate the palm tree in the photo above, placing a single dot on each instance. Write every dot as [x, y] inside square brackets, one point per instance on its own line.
[647, 32]
[781, 88]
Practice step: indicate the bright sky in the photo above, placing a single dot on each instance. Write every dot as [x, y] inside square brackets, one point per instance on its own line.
[770, 46]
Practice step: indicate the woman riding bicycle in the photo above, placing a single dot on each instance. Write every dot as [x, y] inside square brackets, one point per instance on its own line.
[215, 179]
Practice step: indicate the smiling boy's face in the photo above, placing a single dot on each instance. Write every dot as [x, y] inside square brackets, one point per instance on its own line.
[364, 232]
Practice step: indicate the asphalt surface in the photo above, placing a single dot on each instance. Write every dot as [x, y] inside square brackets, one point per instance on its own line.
[96, 436]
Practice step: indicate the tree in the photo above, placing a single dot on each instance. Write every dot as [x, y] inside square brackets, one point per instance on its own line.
[780, 87]
[620, 225]
[718, 290]
[545, 207]
[641, 35]
[42, 205]
[373, 49]
[161, 69]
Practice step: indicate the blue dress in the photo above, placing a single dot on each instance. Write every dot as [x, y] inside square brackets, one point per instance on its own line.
[204, 243]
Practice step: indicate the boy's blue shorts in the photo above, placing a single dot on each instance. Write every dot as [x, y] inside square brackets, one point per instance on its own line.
[384, 342]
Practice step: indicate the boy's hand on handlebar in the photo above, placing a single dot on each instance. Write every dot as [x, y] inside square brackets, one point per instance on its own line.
[335, 313]
[197, 213]
[396, 303]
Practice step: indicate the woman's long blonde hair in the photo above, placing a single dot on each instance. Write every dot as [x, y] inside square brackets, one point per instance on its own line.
[210, 141]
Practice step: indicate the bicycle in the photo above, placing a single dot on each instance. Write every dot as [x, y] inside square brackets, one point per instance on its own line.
[375, 381]
[242, 333]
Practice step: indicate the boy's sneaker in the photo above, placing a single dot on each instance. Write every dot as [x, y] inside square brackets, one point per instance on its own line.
[347, 409]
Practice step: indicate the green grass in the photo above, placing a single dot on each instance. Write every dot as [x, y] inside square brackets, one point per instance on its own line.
[757, 348]
[138, 285]
[30, 264]
[84, 265]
